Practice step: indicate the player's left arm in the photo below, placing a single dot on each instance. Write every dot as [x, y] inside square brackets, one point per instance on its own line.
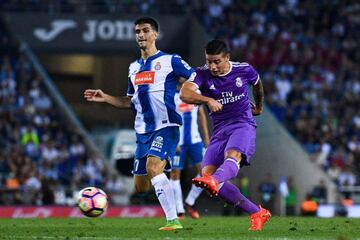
[258, 93]
[203, 122]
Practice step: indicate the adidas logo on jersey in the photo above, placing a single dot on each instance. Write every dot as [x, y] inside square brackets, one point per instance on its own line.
[212, 87]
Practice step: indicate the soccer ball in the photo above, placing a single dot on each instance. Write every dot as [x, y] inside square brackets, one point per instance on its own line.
[92, 201]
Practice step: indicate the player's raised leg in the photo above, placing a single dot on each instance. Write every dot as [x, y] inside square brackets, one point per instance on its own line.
[214, 178]
[238, 143]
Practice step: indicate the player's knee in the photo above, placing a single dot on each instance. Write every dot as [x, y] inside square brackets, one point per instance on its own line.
[234, 155]
[153, 169]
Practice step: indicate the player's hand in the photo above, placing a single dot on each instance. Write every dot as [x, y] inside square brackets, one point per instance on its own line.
[206, 142]
[94, 95]
[214, 105]
[255, 110]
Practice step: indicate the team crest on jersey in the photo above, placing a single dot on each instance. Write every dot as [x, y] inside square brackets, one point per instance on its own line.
[239, 83]
[157, 66]
[157, 144]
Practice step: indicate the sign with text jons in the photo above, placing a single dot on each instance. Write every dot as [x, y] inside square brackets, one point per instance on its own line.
[93, 33]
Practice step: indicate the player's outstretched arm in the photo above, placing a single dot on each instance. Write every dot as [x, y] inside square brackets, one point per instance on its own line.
[203, 122]
[258, 93]
[97, 95]
[188, 94]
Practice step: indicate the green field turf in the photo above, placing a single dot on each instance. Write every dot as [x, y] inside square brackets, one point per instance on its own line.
[278, 228]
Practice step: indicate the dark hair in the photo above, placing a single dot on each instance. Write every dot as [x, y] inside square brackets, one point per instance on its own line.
[153, 23]
[216, 47]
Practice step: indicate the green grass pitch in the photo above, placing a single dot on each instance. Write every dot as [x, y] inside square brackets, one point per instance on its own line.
[278, 228]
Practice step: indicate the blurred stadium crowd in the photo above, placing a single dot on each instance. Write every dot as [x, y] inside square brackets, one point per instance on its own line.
[42, 155]
[307, 53]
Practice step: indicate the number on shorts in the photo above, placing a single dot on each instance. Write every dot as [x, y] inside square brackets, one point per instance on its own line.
[136, 164]
[176, 160]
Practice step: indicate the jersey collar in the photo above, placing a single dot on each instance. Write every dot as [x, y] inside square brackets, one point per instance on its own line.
[151, 57]
[222, 75]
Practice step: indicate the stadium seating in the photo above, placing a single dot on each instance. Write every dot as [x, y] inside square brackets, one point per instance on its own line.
[42, 155]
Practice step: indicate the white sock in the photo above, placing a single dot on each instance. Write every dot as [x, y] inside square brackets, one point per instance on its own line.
[165, 194]
[176, 186]
[193, 194]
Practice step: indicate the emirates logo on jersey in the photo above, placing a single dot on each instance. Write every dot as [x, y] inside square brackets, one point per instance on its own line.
[145, 78]
[184, 107]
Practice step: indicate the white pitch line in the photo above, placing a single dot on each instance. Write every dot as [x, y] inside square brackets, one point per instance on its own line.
[165, 238]
[68, 237]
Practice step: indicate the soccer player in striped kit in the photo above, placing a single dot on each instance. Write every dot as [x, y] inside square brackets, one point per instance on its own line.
[224, 89]
[152, 83]
[190, 147]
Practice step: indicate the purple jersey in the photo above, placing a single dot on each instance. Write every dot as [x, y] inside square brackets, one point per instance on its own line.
[231, 90]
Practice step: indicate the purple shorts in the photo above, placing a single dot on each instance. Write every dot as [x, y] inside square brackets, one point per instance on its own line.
[240, 137]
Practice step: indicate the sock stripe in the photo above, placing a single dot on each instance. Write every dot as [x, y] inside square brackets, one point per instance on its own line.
[234, 161]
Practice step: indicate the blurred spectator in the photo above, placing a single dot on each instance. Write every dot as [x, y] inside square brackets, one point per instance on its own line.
[94, 170]
[347, 178]
[334, 172]
[309, 206]
[323, 154]
[291, 199]
[32, 188]
[319, 192]
[47, 194]
[115, 188]
[29, 134]
[267, 190]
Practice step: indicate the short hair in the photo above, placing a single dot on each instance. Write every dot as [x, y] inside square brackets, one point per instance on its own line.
[153, 23]
[215, 47]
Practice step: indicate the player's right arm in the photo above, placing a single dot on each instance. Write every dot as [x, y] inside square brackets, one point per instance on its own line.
[97, 95]
[188, 94]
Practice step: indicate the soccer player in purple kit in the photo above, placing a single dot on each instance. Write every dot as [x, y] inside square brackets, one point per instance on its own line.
[224, 89]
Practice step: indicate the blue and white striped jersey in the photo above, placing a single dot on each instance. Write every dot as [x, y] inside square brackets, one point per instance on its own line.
[152, 86]
[189, 131]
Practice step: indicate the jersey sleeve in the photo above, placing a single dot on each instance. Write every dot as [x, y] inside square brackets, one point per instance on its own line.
[181, 68]
[251, 74]
[130, 89]
[196, 79]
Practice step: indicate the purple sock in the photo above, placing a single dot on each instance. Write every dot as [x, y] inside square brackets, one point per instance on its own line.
[228, 170]
[232, 195]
